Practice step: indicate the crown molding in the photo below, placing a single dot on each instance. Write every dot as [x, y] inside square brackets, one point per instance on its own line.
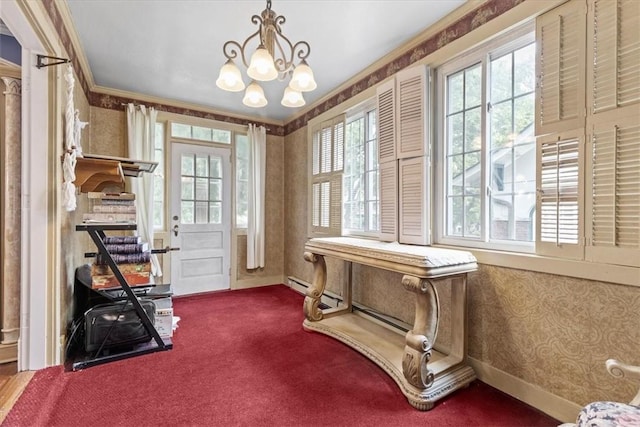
[114, 99]
[467, 18]
[72, 34]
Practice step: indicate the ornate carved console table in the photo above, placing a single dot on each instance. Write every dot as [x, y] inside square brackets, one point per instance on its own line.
[423, 374]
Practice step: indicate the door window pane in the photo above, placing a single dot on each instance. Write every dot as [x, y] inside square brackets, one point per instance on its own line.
[202, 212]
[215, 212]
[188, 188]
[187, 165]
[202, 194]
[187, 212]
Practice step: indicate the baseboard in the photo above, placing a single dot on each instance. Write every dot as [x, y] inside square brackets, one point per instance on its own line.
[550, 404]
[555, 406]
[256, 282]
[8, 353]
[328, 298]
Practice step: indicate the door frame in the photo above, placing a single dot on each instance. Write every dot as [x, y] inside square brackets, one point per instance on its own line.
[228, 211]
[40, 328]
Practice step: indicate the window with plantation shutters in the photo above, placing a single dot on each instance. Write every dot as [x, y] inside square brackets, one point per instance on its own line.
[360, 193]
[403, 135]
[589, 199]
[612, 170]
[560, 98]
[327, 161]
[486, 185]
[559, 195]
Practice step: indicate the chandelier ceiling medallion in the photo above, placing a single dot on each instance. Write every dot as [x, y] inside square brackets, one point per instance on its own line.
[273, 58]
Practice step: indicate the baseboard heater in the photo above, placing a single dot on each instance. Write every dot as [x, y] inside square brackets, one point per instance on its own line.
[331, 300]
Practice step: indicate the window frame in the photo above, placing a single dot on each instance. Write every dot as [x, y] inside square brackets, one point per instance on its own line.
[361, 112]
[325, 170]
[160, 175]
[483, 54]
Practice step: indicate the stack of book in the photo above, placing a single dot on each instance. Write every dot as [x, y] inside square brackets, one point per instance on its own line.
[132, 257]
[112, 208]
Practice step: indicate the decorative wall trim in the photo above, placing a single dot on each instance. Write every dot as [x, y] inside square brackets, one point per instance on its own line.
[481, 15]
[65, 40]
[114, 102]
[469, 22]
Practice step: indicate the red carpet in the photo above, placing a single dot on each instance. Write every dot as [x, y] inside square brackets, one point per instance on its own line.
[241, 358]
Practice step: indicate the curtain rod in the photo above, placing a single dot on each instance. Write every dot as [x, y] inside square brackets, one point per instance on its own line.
[57, 61]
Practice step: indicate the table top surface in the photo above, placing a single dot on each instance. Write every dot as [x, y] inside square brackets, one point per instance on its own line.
[426, 257]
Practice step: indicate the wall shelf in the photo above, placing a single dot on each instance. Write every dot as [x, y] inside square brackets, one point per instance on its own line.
[95, 172]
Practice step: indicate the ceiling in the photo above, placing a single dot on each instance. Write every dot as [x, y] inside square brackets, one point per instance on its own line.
[172, 49]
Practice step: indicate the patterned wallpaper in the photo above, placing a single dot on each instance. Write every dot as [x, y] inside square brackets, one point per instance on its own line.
[274, 217]
[551, 331]
[555, 331]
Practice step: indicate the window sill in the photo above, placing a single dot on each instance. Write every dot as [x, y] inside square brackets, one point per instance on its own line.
[610, 273]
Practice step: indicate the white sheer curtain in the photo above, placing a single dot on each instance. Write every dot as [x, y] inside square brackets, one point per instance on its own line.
[141, 123]
[256, 194]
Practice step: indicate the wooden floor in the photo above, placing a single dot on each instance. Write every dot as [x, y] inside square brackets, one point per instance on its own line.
[12, 384]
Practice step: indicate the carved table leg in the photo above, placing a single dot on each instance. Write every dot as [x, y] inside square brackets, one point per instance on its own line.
[312, 299]
[420, 340]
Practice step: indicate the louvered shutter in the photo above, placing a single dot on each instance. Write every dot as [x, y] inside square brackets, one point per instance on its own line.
[388, 173]
[327, 162]
[412, 122]
[614, 184]
[613, 181]
[413, 194]
[386, 102]
[615, 37]
[403, 134]
[560, 195]
[560, 91]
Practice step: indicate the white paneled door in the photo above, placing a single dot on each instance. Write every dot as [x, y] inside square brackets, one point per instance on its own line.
[200, 218]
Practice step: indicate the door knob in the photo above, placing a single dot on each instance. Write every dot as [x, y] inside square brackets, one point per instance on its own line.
[175, 230]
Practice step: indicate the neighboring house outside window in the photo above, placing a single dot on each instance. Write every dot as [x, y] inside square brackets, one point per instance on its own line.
[488, 147]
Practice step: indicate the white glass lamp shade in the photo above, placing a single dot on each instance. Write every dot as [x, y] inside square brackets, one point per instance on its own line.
[292, 98]
[230, 78]
[261, 67]
[254, 96]
[302, 79]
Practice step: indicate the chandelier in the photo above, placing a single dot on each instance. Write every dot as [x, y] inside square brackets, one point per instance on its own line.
[273, 58]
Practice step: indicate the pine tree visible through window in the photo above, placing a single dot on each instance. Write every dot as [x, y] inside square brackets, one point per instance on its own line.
[489, 145]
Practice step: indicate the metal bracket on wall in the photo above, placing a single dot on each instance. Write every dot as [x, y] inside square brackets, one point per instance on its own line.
[41, 63]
